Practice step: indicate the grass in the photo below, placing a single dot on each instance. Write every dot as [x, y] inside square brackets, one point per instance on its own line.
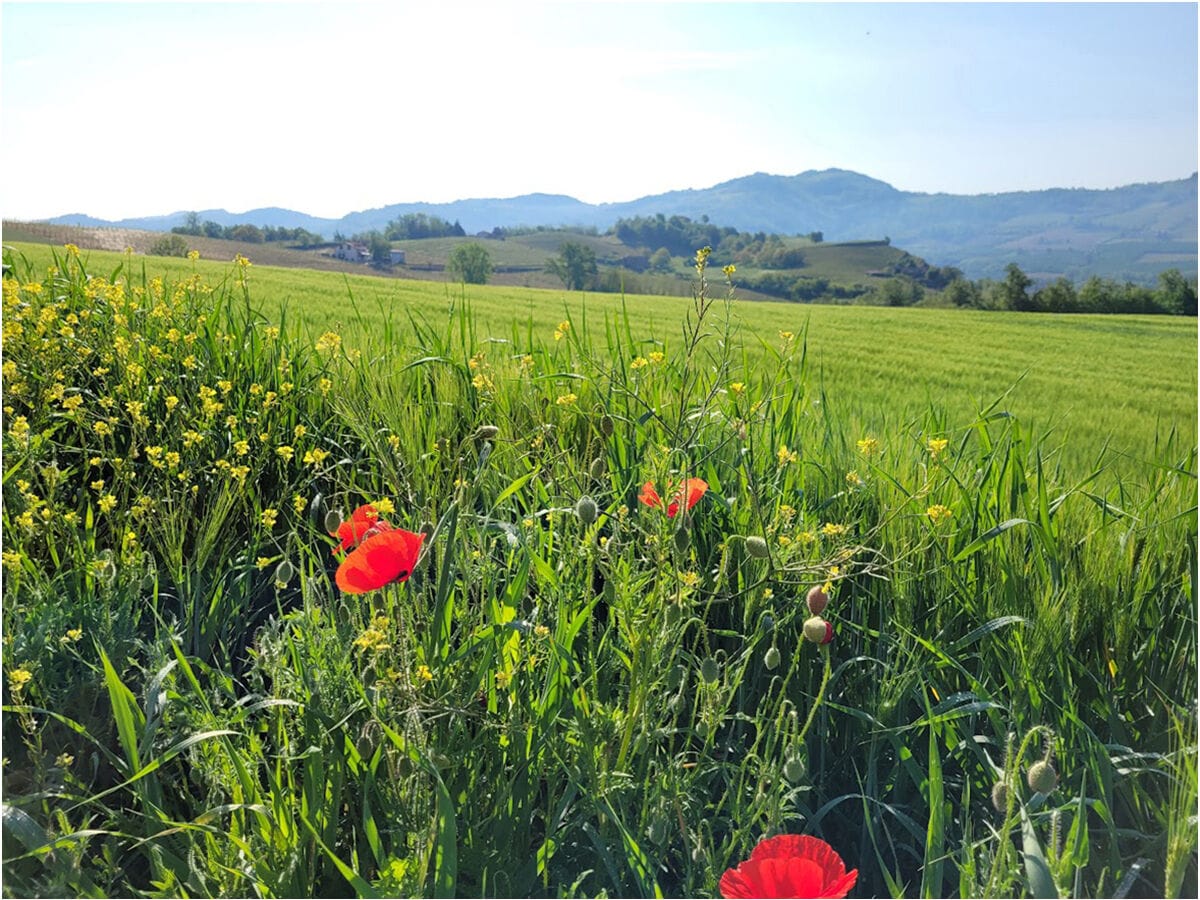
[556, 704]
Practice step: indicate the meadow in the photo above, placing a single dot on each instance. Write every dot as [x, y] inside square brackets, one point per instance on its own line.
[575, 688]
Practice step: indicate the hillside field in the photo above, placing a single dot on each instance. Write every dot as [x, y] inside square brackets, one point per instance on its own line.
[318, 584]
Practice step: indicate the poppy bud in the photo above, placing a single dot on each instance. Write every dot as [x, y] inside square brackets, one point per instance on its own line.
[487, 432]
[793, 769]
[771, 659]
[284, 572]
[426, 528]
[1000, 796]
[817, 601]
[818, 630]
[606, 426]
[757, 547]
[682, 540]
[585, 509]
[1042, 777]
[710, 670]
[333, 520]
[598, 468]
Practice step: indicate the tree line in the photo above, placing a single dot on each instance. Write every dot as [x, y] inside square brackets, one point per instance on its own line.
[251, 234]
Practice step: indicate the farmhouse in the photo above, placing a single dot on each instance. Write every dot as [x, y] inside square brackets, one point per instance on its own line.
[352, 251]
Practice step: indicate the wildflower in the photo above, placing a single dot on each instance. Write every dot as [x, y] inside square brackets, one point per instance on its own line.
[371, 639]
[193, 255]
[786, 336]
[285, 452]
[424, 673]
[729, 270]
[790, 865]
[689, 492]
[379, 560]
[363, 522]
[299, 503]
[330, 340]
[938, 513]
[785, 456]
[638, 362]
[483, 382]
[11, 559]
[241, 448]
[315, 456]
[561, 331]
[566, 399]
[64, 760]
[18, 678]
[867, 446]
[936, 446]
[384, 507]
[503, 679]
[832, 529]
[172, 401]
[853, 478]
[738, 387]
[19, 428]
[657, 356]
[107, 503]
[269, 517]
[541, 631]
[262, 562]
[299, 431]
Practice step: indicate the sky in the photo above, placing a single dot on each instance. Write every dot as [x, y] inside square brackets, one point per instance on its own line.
[128, 109]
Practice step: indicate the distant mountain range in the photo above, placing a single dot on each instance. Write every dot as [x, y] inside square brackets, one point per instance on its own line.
[1130, 232]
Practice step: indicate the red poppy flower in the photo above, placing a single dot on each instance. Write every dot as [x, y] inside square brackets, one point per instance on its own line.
[790, 865]
[689, 492]
[382, 558]
[363, 522]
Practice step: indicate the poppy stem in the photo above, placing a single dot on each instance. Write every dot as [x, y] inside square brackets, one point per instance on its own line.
[812, 712]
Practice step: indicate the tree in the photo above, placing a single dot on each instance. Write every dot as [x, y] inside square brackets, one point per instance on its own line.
[1175, 294]
[575, 265]
[816, 236]
[169, 245]
[1014, 289]
[470, 263]
[381, 249]
[660, 260]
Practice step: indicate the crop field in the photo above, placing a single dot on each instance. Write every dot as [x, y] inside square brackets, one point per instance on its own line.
[323, 585]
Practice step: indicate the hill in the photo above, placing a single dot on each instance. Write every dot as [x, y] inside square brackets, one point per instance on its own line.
[1130, 232]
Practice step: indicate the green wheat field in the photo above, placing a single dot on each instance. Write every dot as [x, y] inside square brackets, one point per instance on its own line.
[576, 694]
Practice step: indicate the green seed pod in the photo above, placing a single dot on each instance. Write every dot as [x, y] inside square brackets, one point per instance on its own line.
[682, 539]
[585, 509]
[710, 670]
[284, 572]
[1042, 777]
[771, 659]
[757, 547]
[1000, 796]
[818, 630]
[817, 601]
[606, 426]
[597, 469]
[333, 520]
[426, 528]
[793, 769]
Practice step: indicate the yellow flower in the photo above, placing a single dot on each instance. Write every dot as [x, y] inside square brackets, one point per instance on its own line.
[786, 336]
[241, 448]
[172, 401]
[738, 387]
[541, 631]
[18, 678]
[315, 456]
[729, 270]
[64, 760]
[325, 385]
[638, 362]
[73, 635]
[193, 255]
[526, 363]
[830, 529]
[268, 517]
[19, 428]
[566, 399]
[785, 456]
[853, 478]
[482, 382]
[384, 506]
[868, 446]
[285, 452]
[394, 442]
[503, 679]
[559, 333]
[330, 340]
[938, 513]
[299, 431]
[299, 503]
[424, 673]
[936, 446]
[657, 356]
[107, 503]
[262, 562]
[11, 559]
[371, 639]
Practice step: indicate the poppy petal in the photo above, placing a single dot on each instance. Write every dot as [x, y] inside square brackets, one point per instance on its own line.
[649, 495]
[790, 865]
[379, 560]
[358, 526]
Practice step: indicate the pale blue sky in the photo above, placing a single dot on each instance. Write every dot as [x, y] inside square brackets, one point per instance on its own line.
[117, 110]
